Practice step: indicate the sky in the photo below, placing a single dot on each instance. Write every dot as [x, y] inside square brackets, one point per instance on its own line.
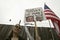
[15, 9]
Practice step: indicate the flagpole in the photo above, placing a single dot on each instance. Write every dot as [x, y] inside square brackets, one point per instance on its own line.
[51, 30]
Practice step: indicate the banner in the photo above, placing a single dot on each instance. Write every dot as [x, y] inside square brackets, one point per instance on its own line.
[35, 12]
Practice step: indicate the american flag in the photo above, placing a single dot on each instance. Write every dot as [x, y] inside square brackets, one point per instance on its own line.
[54, 18]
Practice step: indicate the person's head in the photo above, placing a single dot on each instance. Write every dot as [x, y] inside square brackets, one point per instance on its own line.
[16, 28]
[30, 19]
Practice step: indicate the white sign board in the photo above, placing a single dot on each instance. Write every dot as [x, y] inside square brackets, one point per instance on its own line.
[38, 12]
[45, 23]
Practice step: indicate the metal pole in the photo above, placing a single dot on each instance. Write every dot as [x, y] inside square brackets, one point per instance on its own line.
[51, 30]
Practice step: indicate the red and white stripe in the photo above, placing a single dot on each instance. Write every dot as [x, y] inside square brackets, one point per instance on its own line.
[51, 15]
